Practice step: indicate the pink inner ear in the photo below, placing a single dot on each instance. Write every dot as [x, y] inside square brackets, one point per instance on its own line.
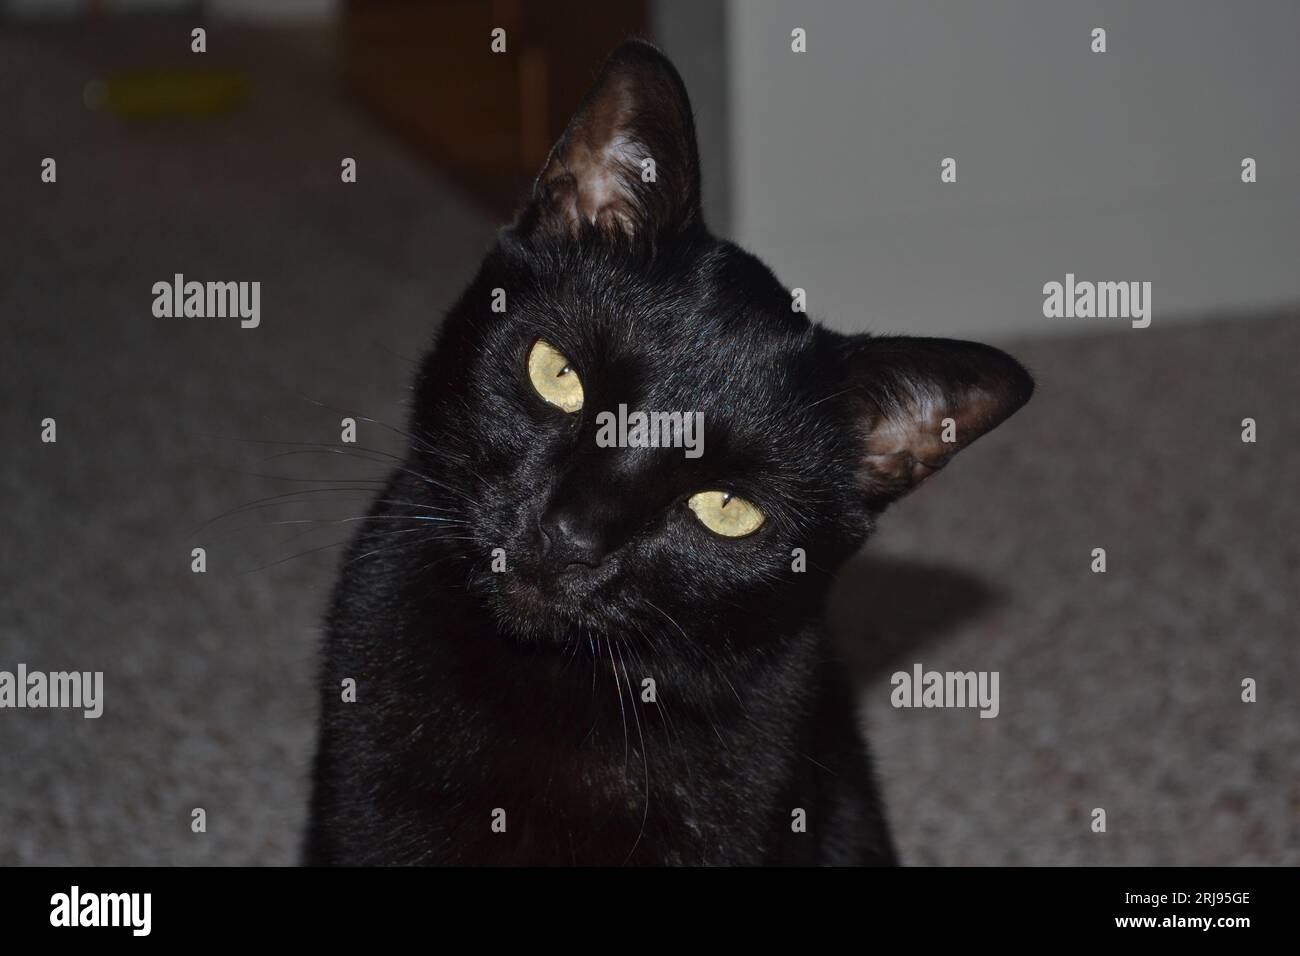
[596, 159]
[588, 186]
[636, 109]
[600, 189]
[902, 451]
[905, 445]
[602, 196]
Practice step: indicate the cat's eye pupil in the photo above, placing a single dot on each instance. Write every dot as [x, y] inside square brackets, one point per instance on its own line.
[564, 371]
[726, 499]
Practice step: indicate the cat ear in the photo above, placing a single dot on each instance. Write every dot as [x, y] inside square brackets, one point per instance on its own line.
[919, 401]
[627, 161]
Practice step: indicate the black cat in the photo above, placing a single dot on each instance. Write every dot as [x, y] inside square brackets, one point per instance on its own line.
[567, 652]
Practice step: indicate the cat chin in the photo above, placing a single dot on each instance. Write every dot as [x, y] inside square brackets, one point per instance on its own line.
[532, 612]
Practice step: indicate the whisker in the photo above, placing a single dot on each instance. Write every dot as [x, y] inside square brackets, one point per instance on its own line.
[276, 499]
[720, 673]
[645, 759]
[619, 688]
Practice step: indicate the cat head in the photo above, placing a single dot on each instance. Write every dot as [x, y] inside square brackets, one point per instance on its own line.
[768, 444]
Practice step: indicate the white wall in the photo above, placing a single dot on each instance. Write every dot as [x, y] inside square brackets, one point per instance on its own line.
[694, 35]
[1116, 166]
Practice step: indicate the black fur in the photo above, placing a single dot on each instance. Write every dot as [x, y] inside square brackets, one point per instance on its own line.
[522, 690]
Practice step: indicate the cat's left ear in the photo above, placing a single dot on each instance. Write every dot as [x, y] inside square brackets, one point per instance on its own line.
[627, 161]
[919, 401]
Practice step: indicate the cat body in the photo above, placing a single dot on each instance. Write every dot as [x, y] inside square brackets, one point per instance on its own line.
[561, 742]
[567, 652]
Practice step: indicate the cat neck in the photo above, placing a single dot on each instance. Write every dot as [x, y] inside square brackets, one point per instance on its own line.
[596, 682]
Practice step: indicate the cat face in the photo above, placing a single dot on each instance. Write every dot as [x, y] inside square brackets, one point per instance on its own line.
[598, 534]
[767, 443]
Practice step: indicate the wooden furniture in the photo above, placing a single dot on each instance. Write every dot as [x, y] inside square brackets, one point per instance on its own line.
[427, 69]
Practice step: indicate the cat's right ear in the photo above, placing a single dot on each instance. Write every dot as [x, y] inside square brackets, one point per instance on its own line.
[627, 162]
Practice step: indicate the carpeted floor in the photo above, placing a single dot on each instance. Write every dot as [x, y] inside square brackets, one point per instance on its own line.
[1119, 691]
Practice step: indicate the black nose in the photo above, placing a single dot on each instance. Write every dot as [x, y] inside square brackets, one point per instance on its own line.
[572, 537]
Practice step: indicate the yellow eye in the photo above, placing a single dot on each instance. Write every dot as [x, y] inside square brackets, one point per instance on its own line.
[554, 380]
[725, 514]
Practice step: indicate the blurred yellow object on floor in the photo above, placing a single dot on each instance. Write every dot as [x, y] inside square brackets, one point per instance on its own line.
[171, 93]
